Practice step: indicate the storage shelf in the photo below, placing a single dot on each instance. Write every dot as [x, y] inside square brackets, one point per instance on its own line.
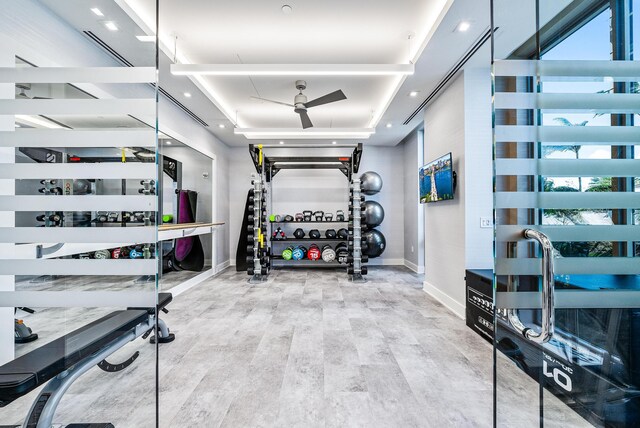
[312, 221]
[309, 240]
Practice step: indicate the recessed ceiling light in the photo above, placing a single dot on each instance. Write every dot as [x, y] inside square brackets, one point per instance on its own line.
[414, 93]
[146, 38]
[97, 11]
[286, 9]
[111, 25]
[389, 125]
[187, 94]
[334, 142]
[18, 125]
[168, 142]
[463, 26]
[281, 142]
[221, 125]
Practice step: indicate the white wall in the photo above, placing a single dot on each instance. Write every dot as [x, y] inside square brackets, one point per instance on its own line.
[297, 190]
[445, 221]
[413, 212]
[459, 121]
[479, 170]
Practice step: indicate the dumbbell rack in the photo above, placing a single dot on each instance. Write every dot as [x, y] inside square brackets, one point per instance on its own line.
[268, 166]
[259, 265]
[356, 268]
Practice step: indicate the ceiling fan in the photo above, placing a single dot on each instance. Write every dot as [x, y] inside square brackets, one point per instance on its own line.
[300, 103]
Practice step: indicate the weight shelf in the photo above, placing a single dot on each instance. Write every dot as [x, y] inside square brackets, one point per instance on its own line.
[309, 240]
[312, 221]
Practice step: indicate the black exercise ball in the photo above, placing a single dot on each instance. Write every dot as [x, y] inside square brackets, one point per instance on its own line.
[373, 213]
[298, 233]
[370, 183]
[314, 233]
[376, 243]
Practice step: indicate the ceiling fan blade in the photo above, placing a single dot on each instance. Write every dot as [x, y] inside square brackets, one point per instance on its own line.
[272, 101]
[306, 121]
[326, 99]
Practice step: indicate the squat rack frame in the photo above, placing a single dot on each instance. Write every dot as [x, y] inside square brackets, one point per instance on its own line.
[268, 167]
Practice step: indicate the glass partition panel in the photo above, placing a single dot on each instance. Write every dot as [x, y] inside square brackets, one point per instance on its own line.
[78, 214]
[567, 290]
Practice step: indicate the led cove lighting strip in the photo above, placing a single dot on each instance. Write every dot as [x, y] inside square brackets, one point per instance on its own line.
[292, 69]
[38, 121]
[315, 133]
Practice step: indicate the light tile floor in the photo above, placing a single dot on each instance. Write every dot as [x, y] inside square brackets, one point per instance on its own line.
[306, 349]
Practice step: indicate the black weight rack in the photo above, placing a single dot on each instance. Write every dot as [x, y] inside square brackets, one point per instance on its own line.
[267, 167]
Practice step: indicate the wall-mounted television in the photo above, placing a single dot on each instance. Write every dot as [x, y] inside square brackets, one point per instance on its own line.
[437, 180]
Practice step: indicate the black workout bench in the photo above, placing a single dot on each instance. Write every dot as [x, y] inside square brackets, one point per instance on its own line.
[65, 359]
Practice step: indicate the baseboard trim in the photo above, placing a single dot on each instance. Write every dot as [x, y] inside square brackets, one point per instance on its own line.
[190, 283]
[385, 262]
[448, 301]
[222, 266]
[414, 267]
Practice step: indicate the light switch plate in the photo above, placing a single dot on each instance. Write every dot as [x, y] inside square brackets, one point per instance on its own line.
[486, 222]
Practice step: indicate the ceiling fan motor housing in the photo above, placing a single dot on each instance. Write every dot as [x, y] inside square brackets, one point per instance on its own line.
[299, 102]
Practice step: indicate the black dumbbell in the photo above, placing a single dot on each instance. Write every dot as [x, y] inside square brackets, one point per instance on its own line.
[52, 217]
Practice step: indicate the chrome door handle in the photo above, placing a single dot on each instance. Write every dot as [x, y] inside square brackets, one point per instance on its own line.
[548, 293]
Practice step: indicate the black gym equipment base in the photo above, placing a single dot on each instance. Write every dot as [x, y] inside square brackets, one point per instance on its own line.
[27, 339]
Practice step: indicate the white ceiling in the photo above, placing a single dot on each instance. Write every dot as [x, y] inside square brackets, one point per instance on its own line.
[329, 31]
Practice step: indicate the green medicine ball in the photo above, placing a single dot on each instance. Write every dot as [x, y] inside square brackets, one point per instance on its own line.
[272, 218]
[287, 253]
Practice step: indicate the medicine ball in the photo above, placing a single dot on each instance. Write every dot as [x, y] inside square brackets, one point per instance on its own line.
[370, 183]
[343, 233]
[314, 234]
[299, 253]
[328, 254]
[330, 233]
[376, 243]
[342, 253]
[287, 253]
[298, 233]
[314, 252]
[373, 214]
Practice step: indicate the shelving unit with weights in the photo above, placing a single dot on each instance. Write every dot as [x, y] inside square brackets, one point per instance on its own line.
[269, 166]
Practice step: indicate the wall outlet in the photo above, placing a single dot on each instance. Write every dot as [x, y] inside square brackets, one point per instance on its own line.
[486, 222]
